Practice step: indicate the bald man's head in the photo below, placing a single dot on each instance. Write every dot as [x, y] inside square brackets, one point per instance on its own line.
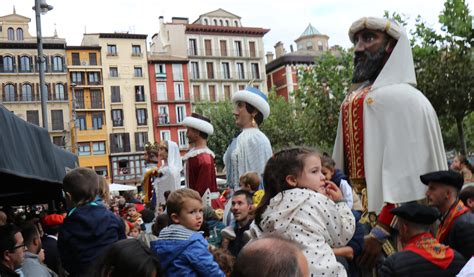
[271, 256]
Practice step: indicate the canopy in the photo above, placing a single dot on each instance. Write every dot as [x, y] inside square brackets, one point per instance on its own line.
[120, 187]
[31, 167]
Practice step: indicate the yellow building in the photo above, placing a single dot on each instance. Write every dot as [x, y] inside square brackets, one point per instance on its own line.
[86, 94]
[19, 76]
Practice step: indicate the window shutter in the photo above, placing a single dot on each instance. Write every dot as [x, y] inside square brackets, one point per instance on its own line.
[126, 142]
[113, 145]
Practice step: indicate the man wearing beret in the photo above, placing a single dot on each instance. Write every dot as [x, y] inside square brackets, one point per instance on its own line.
[388, 132]
[456, 228]
[199, 166]
[422, 254]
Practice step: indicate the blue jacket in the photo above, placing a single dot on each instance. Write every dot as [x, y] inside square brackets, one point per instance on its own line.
[183, 252]
[85, 233]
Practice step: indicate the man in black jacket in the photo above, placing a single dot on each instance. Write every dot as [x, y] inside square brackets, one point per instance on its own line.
[12, 249]
[422, 254]
[456, 228]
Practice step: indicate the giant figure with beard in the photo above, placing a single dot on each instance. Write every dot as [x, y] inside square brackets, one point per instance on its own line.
[388, 132]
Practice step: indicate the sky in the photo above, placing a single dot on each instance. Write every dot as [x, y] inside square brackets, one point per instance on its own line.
[285, 19]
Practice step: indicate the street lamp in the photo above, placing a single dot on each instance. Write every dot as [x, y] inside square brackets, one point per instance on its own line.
[41, 8]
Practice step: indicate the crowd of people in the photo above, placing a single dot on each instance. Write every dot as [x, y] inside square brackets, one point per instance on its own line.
[384, 204]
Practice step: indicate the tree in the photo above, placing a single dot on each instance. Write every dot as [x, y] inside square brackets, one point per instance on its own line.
[444, 64]
[322, 89]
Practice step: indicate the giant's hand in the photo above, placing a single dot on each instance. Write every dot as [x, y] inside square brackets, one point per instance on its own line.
[370, 253]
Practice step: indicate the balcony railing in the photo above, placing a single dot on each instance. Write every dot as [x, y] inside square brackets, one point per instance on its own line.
[230, 53]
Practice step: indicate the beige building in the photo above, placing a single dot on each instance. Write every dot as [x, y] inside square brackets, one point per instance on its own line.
[19, 76]
[223, 55]
[127, 101]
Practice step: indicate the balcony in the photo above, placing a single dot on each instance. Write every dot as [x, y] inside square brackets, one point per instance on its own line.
[216, 53]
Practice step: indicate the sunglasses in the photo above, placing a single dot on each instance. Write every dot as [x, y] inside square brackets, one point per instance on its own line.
[18, 246]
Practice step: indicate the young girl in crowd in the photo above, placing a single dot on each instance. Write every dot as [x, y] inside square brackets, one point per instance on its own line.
[133, 216]
[301, 206]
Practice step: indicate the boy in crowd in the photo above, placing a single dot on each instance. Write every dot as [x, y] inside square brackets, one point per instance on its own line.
[89, 227]
[467, 196]
[250, 182]
[182, 250]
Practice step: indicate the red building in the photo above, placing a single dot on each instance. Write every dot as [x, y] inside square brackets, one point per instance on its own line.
[169, 88]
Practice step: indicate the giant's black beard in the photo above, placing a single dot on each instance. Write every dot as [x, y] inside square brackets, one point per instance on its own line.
[367, 66]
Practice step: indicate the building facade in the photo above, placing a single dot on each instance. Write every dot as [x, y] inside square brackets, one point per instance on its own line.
[224, 56]
[282, 71]
[171, 103]
[86, 97]
[19, 76]
[127, 101]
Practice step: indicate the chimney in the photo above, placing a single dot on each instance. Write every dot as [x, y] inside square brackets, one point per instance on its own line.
[269, 56]
[180, 20]
[279, 49]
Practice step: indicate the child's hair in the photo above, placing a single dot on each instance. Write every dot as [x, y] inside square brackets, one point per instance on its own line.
[166, 194]
[82, 184]
[177, 198]
[224, 259]
[279, 166]
[160, 223]
[104, 192]
[129, 206]
[252, 179]
[327, 162]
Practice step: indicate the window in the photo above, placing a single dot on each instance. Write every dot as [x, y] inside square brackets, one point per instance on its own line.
[227, 92]
[227, 23]
[221, 22]
[98, 148]
[75, 59]
[84, 149]
[81, 121]
[96, 99]
[19, 34]
[208, 47]
[117, 117]
[25, 64]
[115, 94]
[163, 115]
[212, 93]
[255, 71]
[136, 50]
[111, 50]
[32, 117]
[120, 142]
[97, 121]
[236, 23]
[182, 140]
[165, 135]
[320, 46]
[194, 70]
[309, 45]
[57, 119]
[210, 70]
[160, 71]
[8, 64]
[215, 21]
[141, 138]
[205, 21]
[26, 93]
[113, 71]
[79, 98]
[241, 87]
[180, 113]
[192, 47]
[137, 71]
[11, 34]
[223, 45]
[240, 70]
[94, 78]
[76, 77]
[59, 141]
[177, 72]
[225, 71]
[139, 94]
[141, 117]
[252, 50]
[197, 93]
[101, 170]
[161, 90]
[238, 48]
[92, 59]
[59, 92]
[58, 63]
[179, 91]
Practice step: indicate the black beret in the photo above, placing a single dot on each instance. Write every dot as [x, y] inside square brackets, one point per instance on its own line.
[417, 213]
[445, 177]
